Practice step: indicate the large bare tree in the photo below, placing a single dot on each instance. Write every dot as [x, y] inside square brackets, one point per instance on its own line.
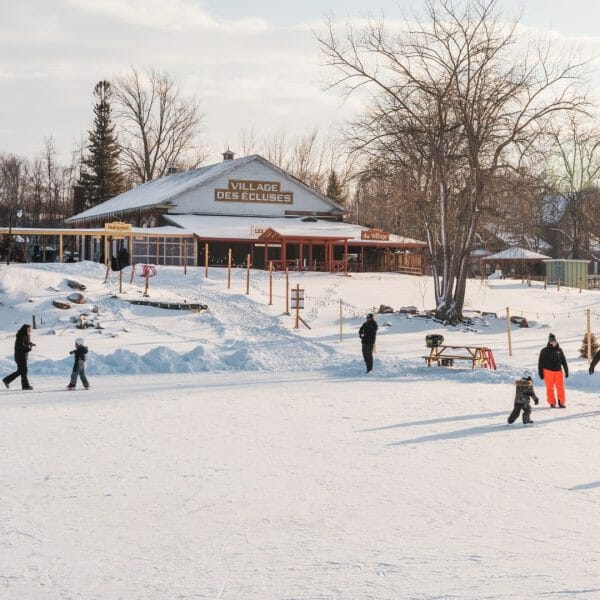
[574, 173]
[454, 99]
[160, 126]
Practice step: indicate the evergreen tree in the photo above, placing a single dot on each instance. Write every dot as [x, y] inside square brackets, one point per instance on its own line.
[335, 190]
[100, 176]
[594, 345]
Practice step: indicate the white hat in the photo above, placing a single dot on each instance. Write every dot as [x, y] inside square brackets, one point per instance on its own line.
[79, 341]
[527, 375]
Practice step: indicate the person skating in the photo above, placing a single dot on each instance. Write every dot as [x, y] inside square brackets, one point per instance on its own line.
[551, 363]
[23, 346]
[524, 393]
[79, 365]
[367, 334]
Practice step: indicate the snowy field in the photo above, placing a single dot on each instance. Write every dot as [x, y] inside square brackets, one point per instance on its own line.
[223, 455]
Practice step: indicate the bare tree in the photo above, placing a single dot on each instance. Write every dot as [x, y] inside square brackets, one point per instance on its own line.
[13, 181]
[159, 125]
[452, 104]
[574, 173]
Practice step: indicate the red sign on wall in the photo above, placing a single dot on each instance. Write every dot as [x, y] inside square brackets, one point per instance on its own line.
[375, 234]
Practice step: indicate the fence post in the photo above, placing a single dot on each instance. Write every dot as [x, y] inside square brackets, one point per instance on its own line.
[508, 331]
[205, 260]
[185, 257]
[297, 324]
[121, 281]
[248, 275]
[287, 291]
[132, 273]
[589, 337]
[341, 318]
[229, 269]
[558, 286]
[270, 283]
[35, 325]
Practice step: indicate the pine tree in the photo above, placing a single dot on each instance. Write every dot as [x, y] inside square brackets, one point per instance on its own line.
[101, 177]
[335, 190]
[584, 345]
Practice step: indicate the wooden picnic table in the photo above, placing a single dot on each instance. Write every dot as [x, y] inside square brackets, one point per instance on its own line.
[446, 355]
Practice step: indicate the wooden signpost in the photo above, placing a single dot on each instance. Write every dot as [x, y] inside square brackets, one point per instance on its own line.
[297, 304]
[229, 269]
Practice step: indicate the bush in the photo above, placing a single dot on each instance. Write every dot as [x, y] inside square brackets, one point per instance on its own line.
[584, 345]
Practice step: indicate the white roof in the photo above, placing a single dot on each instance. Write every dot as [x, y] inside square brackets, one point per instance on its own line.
[248, 228]
[162, 191]
[516, 253]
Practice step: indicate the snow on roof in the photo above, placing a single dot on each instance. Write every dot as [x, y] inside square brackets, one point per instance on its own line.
[516, 253]
[164, 190]
[220, 227]
[158, 191]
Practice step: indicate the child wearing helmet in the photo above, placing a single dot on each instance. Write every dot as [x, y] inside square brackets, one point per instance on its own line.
[79, 366]
[523, 395]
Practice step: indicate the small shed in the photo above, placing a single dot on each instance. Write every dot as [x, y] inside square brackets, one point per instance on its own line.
[572, 273]
[517, 262]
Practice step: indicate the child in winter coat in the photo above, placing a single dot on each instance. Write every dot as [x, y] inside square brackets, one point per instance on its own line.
[79, 366]
[523, 394]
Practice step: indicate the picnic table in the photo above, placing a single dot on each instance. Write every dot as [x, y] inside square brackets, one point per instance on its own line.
[445, 356]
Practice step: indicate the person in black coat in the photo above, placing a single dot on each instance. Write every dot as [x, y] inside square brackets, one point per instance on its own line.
[594, 362]
[23, 346]
[551, 363]
[79, 365]
[367, 334]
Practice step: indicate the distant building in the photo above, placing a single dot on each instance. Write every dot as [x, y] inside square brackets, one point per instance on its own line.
[248, 205]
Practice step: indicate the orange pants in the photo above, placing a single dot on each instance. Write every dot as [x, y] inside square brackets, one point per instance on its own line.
[555, 379]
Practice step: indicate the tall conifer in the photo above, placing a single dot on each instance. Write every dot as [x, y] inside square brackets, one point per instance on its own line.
[100, 175]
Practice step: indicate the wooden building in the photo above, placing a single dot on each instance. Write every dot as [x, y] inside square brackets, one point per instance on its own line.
[248, 205]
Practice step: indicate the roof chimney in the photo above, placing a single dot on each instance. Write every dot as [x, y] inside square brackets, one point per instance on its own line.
[228, 154]
[78, 199]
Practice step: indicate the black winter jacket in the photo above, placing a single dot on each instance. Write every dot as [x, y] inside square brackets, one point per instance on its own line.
[79, 352]
[368, 331]
[23, 344]
[552, 358]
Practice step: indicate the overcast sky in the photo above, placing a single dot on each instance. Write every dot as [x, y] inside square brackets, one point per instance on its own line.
[252, 63]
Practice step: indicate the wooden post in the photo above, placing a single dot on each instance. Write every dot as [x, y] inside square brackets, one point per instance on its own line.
[34, 325]
[580, 284]
[121, 281]
[287, 291]
[508, 331]
[132, 273]
[185, 257]
[106, 257]
[297, 324]
[589, 337]
[341, 317]
[528, 280]
[60, 248]
[270, 283]
[107, 272]
[248, 275]
[146, 287]
[229, 269]
[558, 286]
[206, 260]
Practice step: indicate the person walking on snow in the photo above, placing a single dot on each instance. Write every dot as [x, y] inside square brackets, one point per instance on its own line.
[367, 334]
[23, 346]
[550, 365]
[79, 366]
[523, 395]
[594, 362]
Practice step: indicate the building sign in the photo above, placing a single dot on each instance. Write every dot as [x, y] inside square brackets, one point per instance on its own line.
[375, 234]
[256, 230]
[117, 226]
[243, 190]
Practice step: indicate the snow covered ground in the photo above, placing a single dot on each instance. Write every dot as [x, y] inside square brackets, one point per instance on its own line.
[223, 455]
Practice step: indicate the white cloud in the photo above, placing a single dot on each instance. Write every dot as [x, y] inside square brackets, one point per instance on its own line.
[169, 15]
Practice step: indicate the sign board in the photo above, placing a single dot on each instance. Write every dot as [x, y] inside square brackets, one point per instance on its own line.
[117, 226]
[246, 190]
[297, 297]
[375, 234]
[256, 230]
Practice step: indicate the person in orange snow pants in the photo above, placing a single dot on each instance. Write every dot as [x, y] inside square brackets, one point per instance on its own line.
[551, 364]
